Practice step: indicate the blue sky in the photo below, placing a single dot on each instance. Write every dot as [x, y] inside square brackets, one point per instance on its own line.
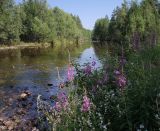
[88, 10]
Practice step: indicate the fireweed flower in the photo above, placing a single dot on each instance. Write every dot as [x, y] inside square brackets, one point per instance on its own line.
[70, 73]
[62, 102]
[61, 96]
[121, 81]
[88, 70]
[86, 104]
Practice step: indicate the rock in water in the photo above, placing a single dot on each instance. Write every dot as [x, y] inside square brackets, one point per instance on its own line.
[23, 96]
[49, 84]
[9, 124]
[3, 128]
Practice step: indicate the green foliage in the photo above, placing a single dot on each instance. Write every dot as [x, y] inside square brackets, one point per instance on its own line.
[34, 21]
[10, 22]
[143, 89]
[78, 21]
[35, 24]
[100, 31]
[118, 24]
[40, 29]
[135, 25]
[66, 26]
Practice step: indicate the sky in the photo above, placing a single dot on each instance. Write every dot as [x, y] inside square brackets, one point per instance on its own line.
[88, 10]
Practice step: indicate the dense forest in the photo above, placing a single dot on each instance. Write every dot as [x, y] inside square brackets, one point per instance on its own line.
[34, 21]
[132, 25]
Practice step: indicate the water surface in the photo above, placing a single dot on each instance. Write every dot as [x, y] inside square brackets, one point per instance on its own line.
[32, 69]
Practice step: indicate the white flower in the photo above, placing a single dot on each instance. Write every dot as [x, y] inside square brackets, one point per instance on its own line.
[141, 126]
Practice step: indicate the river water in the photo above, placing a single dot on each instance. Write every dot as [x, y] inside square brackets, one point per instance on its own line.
[36, 68]
[32, 70]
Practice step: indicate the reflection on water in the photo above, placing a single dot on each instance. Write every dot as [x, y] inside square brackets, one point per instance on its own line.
[37, 67]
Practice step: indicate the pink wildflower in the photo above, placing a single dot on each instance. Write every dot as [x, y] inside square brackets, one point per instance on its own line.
[121, 81]
[62, 102]
[70, 73]
[61, 96]
[86, 104]
[88, 70]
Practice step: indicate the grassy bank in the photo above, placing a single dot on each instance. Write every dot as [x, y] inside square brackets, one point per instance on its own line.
[56, 42]
[29, 49]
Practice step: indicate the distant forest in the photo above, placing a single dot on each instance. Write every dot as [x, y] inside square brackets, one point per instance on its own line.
[134, 25]
[34, 21]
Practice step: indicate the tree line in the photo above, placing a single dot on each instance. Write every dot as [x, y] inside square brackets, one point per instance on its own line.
[134, 25]
[34, 21]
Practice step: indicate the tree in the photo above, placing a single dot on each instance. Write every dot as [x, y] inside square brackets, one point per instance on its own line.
[134, 25]
[118, 24]
[35, 23]
[10, 22]
[78, 21]
[100, 30]
[66, 26]
[152, 21]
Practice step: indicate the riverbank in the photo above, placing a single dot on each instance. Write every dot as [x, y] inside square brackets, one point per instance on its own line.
[35, 49]
[21, 49]
[25, 45]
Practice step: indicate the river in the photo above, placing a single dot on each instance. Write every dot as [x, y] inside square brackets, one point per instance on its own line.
[35, 71]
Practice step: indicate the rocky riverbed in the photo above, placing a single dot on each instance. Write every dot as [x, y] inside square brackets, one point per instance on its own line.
[15, 113]
[18, 111]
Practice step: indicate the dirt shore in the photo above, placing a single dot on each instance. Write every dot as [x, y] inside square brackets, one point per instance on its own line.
[25, 45]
